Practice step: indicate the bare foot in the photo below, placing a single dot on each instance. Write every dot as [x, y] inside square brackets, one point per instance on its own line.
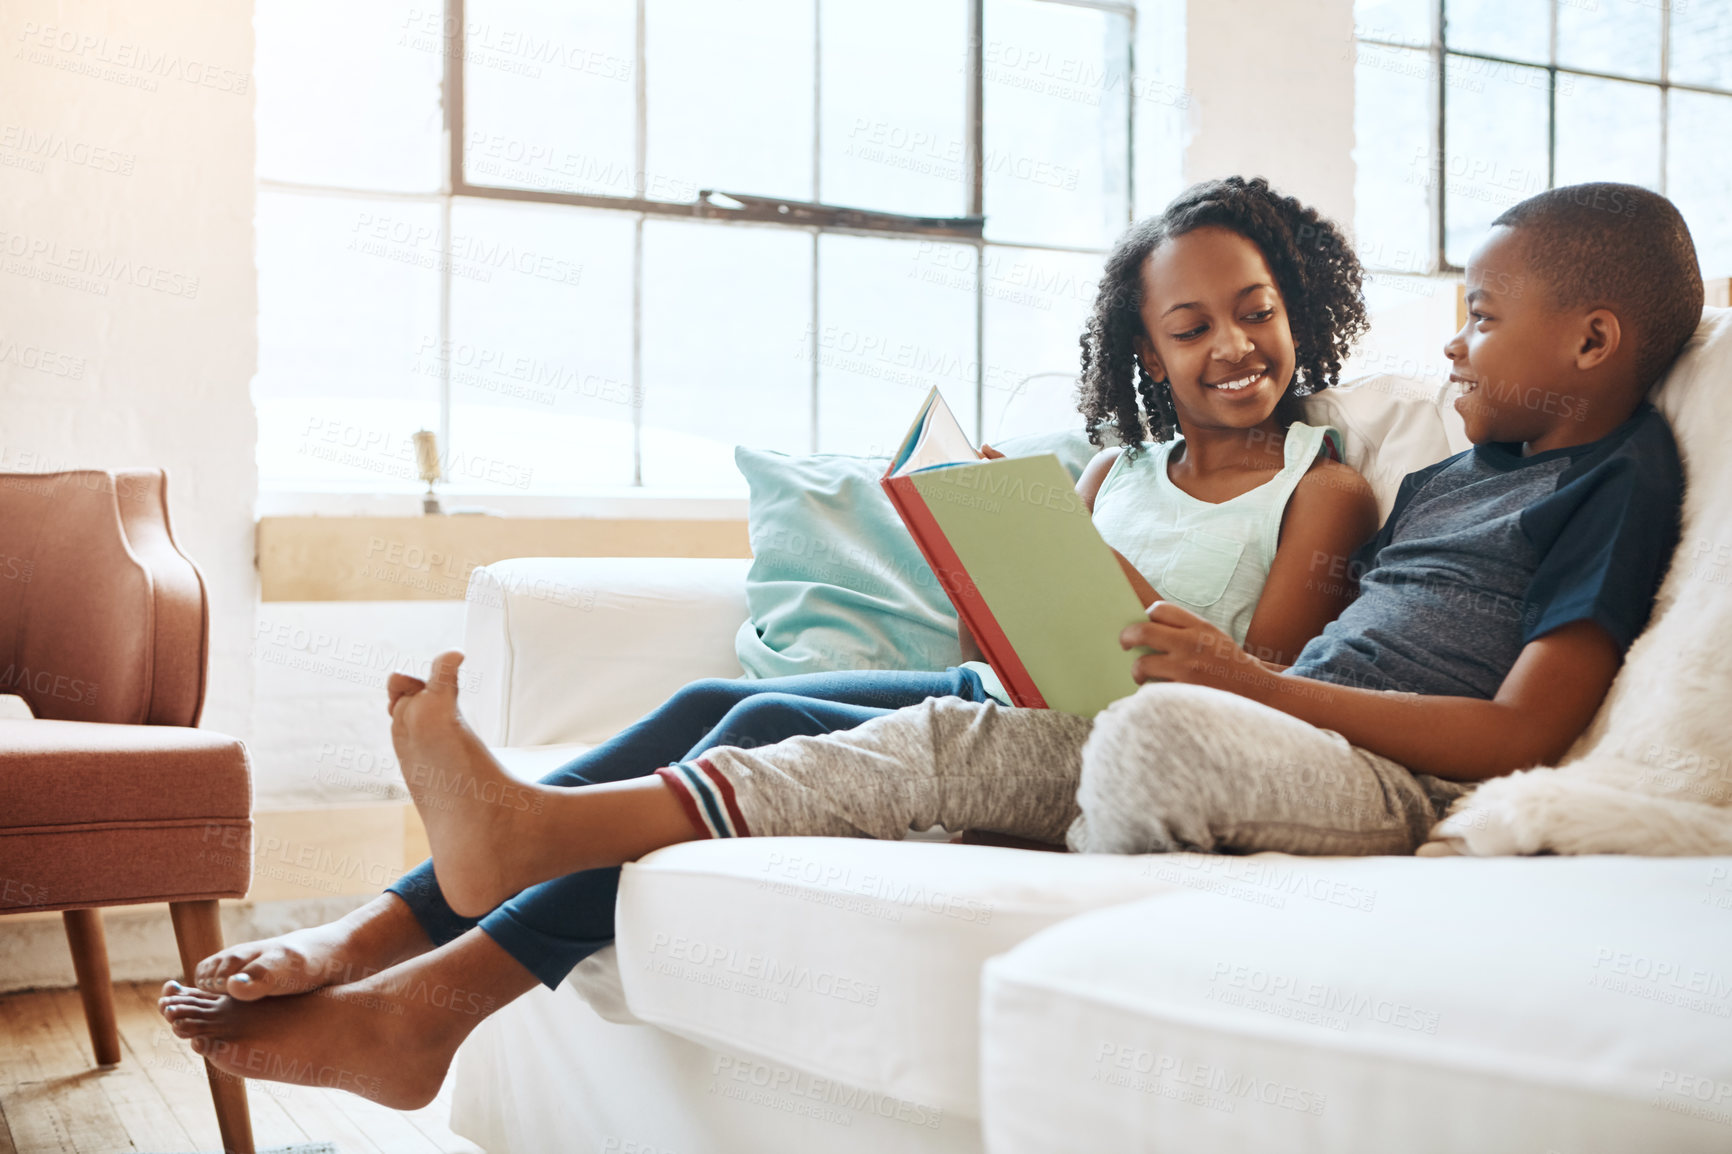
[377, 935]
[472, 808]
[389, 1037]
[341, 1037]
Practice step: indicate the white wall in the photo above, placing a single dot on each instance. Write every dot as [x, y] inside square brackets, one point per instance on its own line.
[1271, 85]
[128, 316]
[1271, 89]
[321, 734]
[127, 303]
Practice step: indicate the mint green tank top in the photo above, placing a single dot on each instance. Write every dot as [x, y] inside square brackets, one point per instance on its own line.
[1212, 559]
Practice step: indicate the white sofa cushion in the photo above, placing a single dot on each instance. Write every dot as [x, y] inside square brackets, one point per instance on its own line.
[546, 1075]
[573, 649]
[1571, 1004]
[852, 959]
[1390, 426]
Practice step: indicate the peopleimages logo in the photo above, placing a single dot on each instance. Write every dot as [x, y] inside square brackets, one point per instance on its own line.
[1205, 1084]
[1695, 1095]
[822, 1099]
[467, 255]
[21, 893]
[1290, 996]
[41, 360]
[136, 65]
[88, 269]
[816, 880]
[41, 146]
[754, 975]
[17, 678]
[1665, 981]
[1264, 883]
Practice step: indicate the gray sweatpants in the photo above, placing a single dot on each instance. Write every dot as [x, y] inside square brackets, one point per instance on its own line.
[1172, 767]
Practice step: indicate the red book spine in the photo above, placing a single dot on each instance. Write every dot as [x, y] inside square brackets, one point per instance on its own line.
[973, 610]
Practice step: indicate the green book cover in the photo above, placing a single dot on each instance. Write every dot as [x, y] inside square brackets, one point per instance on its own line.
[1031, 553]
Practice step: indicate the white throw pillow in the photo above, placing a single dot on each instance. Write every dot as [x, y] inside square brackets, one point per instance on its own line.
[1390, 426]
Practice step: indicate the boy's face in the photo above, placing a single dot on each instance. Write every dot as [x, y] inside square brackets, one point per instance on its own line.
[1514, 357]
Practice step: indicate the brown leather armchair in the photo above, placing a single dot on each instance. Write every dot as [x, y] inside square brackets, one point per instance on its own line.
[111, 797]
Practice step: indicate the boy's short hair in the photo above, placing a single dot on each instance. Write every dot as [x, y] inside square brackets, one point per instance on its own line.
[1622, 247]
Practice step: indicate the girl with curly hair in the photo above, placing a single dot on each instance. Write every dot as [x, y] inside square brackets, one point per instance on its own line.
[1215, 315]
[1210, 319]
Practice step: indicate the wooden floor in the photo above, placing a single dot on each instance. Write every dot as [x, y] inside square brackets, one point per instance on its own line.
[53, 1100]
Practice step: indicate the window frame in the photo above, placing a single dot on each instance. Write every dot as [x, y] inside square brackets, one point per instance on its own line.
[813, 217]
[747, 210]
[1439, 51]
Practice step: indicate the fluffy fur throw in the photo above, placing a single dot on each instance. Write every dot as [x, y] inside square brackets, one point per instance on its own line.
[1653, 773]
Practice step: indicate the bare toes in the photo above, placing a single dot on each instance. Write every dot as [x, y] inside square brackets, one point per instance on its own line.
[175, 994]
[274, 971]
[398, 686]
[248, 985]
[214, 971]
[176, 989]
[443, 678]
[187, 1021]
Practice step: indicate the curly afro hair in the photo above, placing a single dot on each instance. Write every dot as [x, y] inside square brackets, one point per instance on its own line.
[1315, 270]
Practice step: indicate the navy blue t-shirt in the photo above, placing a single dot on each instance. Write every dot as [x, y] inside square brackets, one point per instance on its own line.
[1489, 550]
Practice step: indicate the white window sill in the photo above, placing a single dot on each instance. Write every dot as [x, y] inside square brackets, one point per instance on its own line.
[649, 505]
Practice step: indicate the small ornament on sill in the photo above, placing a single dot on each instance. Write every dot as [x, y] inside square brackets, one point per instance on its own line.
[428, 466]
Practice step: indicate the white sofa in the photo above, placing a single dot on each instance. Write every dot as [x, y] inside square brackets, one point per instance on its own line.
[828, 994]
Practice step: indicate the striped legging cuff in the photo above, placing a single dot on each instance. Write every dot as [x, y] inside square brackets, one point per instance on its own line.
[707, 797]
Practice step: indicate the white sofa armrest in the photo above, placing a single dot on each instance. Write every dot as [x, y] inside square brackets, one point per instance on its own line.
[573, 649]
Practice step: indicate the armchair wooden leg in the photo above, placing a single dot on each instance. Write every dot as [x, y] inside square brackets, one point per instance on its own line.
[90, 962]
[198, 932]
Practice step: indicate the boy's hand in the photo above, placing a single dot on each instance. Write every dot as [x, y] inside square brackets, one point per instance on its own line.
[988, 453]
[1186, 648]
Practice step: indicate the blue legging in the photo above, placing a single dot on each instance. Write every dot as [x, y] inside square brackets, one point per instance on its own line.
[551, 927]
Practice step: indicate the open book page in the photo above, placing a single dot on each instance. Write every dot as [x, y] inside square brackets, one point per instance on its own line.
[937, 439]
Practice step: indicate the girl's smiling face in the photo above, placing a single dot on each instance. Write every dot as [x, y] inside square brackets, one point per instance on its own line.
[1215, 327]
